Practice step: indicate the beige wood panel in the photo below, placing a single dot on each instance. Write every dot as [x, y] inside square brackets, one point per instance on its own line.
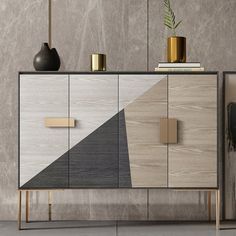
[193, 102]
[148, 157]
[41, 96]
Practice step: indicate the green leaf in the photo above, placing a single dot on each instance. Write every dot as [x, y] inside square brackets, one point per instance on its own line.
[169, 16]
[172, 16]
[169, 26]
[178, 24]
[169, 23]
[167, 3]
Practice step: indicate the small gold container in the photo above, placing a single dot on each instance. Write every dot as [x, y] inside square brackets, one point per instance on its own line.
[98, 62]
[176, 49]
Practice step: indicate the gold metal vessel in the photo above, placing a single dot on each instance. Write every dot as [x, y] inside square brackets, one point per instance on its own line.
[176, 49]
[98, 62]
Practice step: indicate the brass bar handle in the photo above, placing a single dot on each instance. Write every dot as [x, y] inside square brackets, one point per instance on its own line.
[168, 130]
[164, 130]
[172, 131]
[50, 122]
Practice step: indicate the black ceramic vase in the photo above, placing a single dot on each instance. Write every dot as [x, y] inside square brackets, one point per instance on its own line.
[47, 59]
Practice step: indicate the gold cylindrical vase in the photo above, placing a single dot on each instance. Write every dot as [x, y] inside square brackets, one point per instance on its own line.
[176, 49]
[98, 62]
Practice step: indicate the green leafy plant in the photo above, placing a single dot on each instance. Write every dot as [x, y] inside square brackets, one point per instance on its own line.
[169, 18]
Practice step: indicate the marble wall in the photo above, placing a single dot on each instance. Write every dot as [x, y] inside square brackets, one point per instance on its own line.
[132, 35]
[23, 26]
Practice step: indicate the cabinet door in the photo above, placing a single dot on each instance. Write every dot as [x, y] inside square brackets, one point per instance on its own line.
[193, 102]
[142, 157]
[94, 141]
[43, 150]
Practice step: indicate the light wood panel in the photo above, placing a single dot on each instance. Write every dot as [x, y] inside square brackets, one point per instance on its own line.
[41, 96]
[193, 102]
[148, 157]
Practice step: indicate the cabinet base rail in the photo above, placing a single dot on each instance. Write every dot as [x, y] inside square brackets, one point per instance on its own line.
[50, 204]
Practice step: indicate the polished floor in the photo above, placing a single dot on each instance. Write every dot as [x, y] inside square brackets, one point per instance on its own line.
[115, 229]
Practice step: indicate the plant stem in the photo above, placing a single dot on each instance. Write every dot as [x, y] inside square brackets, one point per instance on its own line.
[174, 32]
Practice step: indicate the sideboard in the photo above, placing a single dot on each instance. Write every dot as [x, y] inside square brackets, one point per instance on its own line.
[118, 130]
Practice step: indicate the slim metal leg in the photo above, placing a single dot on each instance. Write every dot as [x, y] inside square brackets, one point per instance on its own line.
[27, 206]
[209, 204]
[49, 205]
[19, 209]
[217, 209]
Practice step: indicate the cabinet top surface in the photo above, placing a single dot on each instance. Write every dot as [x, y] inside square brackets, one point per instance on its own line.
[229, 72]
[118, 72]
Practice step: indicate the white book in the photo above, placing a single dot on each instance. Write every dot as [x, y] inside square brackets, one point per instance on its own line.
[179, 69]
[179, 65]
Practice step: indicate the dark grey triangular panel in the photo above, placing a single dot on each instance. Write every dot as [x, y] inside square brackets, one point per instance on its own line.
[93, 162]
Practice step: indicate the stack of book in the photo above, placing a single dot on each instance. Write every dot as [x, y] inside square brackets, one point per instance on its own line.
[188, 66]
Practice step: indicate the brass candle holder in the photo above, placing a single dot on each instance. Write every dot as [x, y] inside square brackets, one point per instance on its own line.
[98, 62]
